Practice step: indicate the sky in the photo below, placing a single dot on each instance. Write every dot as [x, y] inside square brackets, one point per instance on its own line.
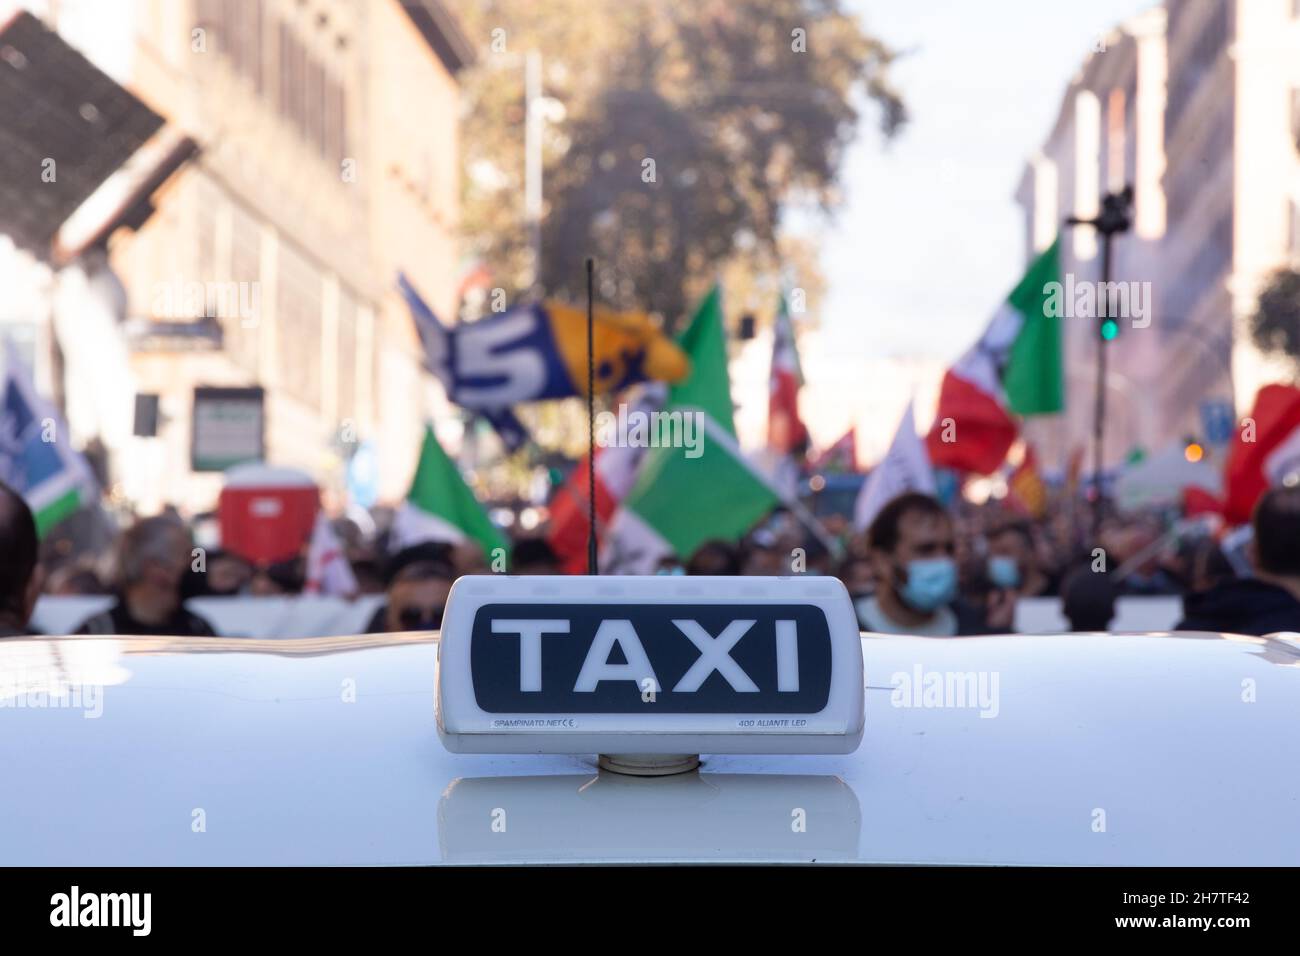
[930, 238]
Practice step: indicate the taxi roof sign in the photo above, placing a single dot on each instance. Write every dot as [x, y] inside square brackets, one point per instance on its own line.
[649, 665]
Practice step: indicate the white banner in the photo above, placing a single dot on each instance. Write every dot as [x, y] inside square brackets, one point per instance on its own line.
[1132, 614]
[307, 615]
[320, 616]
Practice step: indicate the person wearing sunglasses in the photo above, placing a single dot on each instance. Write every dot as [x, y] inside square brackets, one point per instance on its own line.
[419, 580]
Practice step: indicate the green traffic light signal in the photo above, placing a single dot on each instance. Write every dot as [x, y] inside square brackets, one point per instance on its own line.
[1109, 329]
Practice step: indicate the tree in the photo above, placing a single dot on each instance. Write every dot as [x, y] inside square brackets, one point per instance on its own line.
[689, 129]
[1276, 323]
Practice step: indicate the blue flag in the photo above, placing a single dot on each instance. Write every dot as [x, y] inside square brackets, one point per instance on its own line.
[538, 352]
[36, 456]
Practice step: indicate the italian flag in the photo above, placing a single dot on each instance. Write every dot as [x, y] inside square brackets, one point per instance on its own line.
[678, 503]
[616, 467]
[1265, 451]
[785, 430]
[441, 507]
[1014, 369]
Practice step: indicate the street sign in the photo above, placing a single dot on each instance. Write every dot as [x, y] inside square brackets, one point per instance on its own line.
[649, 665]
[229, 427]
[1218, 422]
[146, 415]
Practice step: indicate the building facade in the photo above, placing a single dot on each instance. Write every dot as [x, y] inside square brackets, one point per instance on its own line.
[1108, 134]
[1196, 105]
[329, 162]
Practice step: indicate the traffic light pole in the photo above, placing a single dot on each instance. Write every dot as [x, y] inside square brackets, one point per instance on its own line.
[1116, 217]
[1099, 405]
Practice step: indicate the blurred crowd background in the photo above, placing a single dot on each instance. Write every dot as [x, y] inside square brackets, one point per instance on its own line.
[919, 568]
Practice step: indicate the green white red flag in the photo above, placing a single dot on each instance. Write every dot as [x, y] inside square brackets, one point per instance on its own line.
[1013, 370]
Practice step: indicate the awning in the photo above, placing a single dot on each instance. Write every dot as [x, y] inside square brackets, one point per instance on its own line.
[57, 106]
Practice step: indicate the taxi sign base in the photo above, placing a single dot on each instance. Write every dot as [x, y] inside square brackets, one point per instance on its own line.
[649, 765]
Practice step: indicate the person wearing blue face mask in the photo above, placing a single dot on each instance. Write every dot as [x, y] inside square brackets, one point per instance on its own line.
[913, 552]
[1004, 573]
[1013, 563]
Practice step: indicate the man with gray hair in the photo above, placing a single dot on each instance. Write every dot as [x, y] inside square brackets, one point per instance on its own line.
[152, 558]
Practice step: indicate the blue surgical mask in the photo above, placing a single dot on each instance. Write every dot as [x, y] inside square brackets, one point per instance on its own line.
[1004, 572]
[931, 583]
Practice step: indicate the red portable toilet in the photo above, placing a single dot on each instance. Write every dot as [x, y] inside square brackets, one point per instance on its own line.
[266, 514]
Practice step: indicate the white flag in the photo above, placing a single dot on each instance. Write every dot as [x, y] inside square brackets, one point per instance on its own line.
[328, 571]
[1283, 462]
[905, 467]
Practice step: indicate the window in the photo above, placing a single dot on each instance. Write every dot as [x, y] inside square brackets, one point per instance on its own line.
[246, 269]
[314, 105]
[1116, 130]
[335, 137]
[205, 201]
[1293, 228]
[1202, 276]
[235, 28]
[298, 329]
[1194, 60]
[1185, 181]
[347, 356]
[208, 14]
[255, 55]
[286, 45]
[297, 112]
[235, 22]
[1295, 116]
[310, 97]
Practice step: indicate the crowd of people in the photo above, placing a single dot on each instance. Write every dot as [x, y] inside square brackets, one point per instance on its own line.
[925, 572]
[920, 568]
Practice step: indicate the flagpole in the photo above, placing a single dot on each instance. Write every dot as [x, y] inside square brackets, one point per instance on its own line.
[592, 567]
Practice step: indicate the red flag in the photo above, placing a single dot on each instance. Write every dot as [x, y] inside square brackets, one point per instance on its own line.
[616, 469]
[1274, 422]
[972, 430]
[569, 515]
[1197, 501]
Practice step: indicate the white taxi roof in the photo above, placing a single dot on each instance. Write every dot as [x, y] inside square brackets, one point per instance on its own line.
[1158, 749]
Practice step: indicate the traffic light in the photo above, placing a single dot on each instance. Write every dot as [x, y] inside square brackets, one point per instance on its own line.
[1108, 329]
[1192, 451]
